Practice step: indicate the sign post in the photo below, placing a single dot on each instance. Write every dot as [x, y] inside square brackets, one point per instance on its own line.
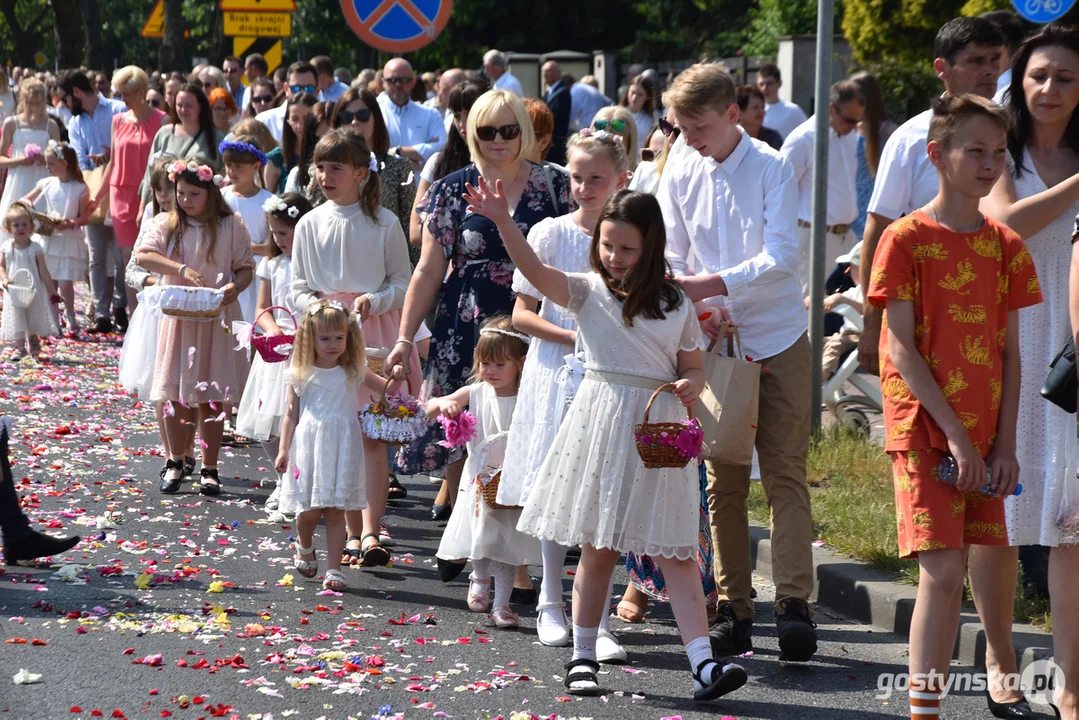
[397, 26]
[256, 26]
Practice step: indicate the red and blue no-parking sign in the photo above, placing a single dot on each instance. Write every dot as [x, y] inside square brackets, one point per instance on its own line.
[397, 25]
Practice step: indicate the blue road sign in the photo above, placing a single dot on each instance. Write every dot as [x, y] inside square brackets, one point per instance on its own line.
[397, 25]
[1042, 11]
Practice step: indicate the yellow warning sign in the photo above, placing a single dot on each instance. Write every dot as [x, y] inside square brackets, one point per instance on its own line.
[269, 48]
[155, 24]
[258, 24]
[256, 5]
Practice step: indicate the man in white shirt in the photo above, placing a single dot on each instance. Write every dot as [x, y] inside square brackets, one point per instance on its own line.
[587, 101]
[967, 59]
[416, 132]
[329, 87]
[494, 67]
[441, 101]
[845, 109]
[301, 78]
[731, 204]
[780, 115]
[1011, 29]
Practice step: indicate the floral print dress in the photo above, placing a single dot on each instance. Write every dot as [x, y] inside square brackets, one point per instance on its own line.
[478, 288]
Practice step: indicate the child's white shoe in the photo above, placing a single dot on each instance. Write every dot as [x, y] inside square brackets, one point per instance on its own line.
[553, 627]
[504, 617]
[273, 502]
[479, 595]
[608, 649]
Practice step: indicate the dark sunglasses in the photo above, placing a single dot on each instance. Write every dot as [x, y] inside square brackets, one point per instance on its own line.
[397, 80]
[647, 155]
[487, 133]
[155, 103]
[262, 99]
[297, 89]
[617, 125]
[668, 130]
[345, 117]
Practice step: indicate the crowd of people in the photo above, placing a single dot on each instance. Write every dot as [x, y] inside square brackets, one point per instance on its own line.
[553, 265]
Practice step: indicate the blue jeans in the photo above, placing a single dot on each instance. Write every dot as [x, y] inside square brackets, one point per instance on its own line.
[13, 523]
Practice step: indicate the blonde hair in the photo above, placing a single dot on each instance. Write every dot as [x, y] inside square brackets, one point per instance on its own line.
[498, 346]
[324, 316]
[257, 130]
[701, 87]
[17, 208]
[130, 79]
[629, 132]
[950, 114]
[489, 106]
[28, 88]
[616, 151]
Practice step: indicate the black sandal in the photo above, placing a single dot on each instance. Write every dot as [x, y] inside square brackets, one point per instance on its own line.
[449, 570]
[374, 555]
[189, 466]
[351, 556]
[725, 679]
[397, 491]
[212, 488]
[582, 670]
[171, 485]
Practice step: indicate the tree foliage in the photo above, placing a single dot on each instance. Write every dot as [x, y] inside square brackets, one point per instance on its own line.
[772, 19]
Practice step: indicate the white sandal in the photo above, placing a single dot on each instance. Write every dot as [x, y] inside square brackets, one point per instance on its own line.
[335, 580]
[306, 568]
[479, 595]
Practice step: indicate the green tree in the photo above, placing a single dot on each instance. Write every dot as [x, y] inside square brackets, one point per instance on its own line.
[772, 19]
[25, 30]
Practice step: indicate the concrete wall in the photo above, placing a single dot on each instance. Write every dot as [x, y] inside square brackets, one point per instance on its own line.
[797, 61]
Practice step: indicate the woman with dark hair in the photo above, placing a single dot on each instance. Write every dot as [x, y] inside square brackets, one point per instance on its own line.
[1039, 198]
[751, 103]
[261, 96]
[873, 131]
[190, 133]
[287, 155]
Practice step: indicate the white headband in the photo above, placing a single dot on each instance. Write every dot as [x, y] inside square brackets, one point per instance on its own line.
[509, 333]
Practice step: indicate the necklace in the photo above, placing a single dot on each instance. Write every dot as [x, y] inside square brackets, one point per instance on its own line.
[977, 226]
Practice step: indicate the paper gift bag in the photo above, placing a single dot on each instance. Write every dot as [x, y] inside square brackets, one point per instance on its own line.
[94, 179]
[728, 405]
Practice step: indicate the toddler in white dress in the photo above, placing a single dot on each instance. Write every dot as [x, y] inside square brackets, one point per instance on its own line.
[22, 263]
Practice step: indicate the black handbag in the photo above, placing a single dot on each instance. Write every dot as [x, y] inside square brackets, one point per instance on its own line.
[1060, 386]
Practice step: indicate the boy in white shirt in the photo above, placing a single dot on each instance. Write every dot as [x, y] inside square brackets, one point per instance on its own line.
[780, 115]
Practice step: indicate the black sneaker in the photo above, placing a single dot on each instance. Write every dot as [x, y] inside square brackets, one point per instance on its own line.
[119, 316]
[37, 545]
[101, 326]
[797, 632]
[729, 635]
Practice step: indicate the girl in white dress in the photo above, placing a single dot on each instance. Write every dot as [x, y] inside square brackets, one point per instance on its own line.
[243, 161]
[64, 195]
[598, 166]
[488, 537]
[639, 332]
[322, 452]
[17, 254]
[265, 397]
[31, 126]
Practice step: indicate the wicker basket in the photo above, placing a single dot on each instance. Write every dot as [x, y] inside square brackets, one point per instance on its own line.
[653, 453]
[267, 345]
[45, 224]
[381, 428]
[490, 492]
[22, 296]
[190, 302]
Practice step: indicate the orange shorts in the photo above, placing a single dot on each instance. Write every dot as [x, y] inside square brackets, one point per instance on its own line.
[933, 515]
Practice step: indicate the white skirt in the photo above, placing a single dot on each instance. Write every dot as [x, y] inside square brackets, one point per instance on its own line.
[593, 488]
[265, 400]
[66, 255]
[480, 532]
[139, 354]
[38, 319]
[327, 467]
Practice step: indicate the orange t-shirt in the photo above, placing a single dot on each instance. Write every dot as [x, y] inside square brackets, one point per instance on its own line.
[963, 286]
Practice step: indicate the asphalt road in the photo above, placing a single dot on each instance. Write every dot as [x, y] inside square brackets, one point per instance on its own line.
[181, 605]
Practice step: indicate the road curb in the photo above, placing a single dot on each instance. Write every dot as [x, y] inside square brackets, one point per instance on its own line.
[873, 597]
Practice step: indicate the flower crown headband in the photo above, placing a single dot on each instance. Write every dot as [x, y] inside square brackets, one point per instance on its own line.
[275, 204]
[204, 172]
[330, 305]
[508, 333]
[243, 147]
[57, 147]
[602, 135]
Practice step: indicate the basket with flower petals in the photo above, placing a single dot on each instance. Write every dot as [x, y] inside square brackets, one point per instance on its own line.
[396, 419]
[46, 223]
[668, 444]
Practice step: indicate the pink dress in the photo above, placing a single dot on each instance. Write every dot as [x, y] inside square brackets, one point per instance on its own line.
[196, 359]
[129, 159]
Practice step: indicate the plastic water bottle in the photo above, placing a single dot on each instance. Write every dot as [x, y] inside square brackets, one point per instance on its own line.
[948, 471]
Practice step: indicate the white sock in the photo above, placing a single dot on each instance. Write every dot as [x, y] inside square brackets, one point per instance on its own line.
[481, 569]
[700, 651]
[554, 557]
[605, 618]
[584, 642]
[503, 574]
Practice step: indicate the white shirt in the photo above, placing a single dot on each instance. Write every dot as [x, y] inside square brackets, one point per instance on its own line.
[506, 81]
[906, 180]
[737, 218]
[586, 102]
[842, 172]
[428, 172]
[333, 92]
[644, 121]
[783, 117]
[1003, 83]
[414, 126]
[250, 209]
[274, 119]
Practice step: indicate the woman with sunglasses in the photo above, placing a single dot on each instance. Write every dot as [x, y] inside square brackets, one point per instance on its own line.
[262, 97]
[500, 137]
[224, 108]
[619, 120]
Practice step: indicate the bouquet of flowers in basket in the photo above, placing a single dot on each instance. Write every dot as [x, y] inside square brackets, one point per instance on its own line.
[395, 419]
[459, 430]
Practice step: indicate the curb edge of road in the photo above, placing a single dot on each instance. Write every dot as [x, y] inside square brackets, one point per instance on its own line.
[871, 596]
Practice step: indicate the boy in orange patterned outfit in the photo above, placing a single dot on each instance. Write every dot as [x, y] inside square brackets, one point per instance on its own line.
[951, 281]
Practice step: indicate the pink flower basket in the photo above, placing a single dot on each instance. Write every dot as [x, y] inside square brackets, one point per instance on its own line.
[668, 444]
[270, 348]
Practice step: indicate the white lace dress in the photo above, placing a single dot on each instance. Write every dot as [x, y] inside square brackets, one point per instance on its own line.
[66, 253]
[593, 487]
[558, 242]
[476, 531]
[1043, 430]
[38, 319]
[327, 449]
